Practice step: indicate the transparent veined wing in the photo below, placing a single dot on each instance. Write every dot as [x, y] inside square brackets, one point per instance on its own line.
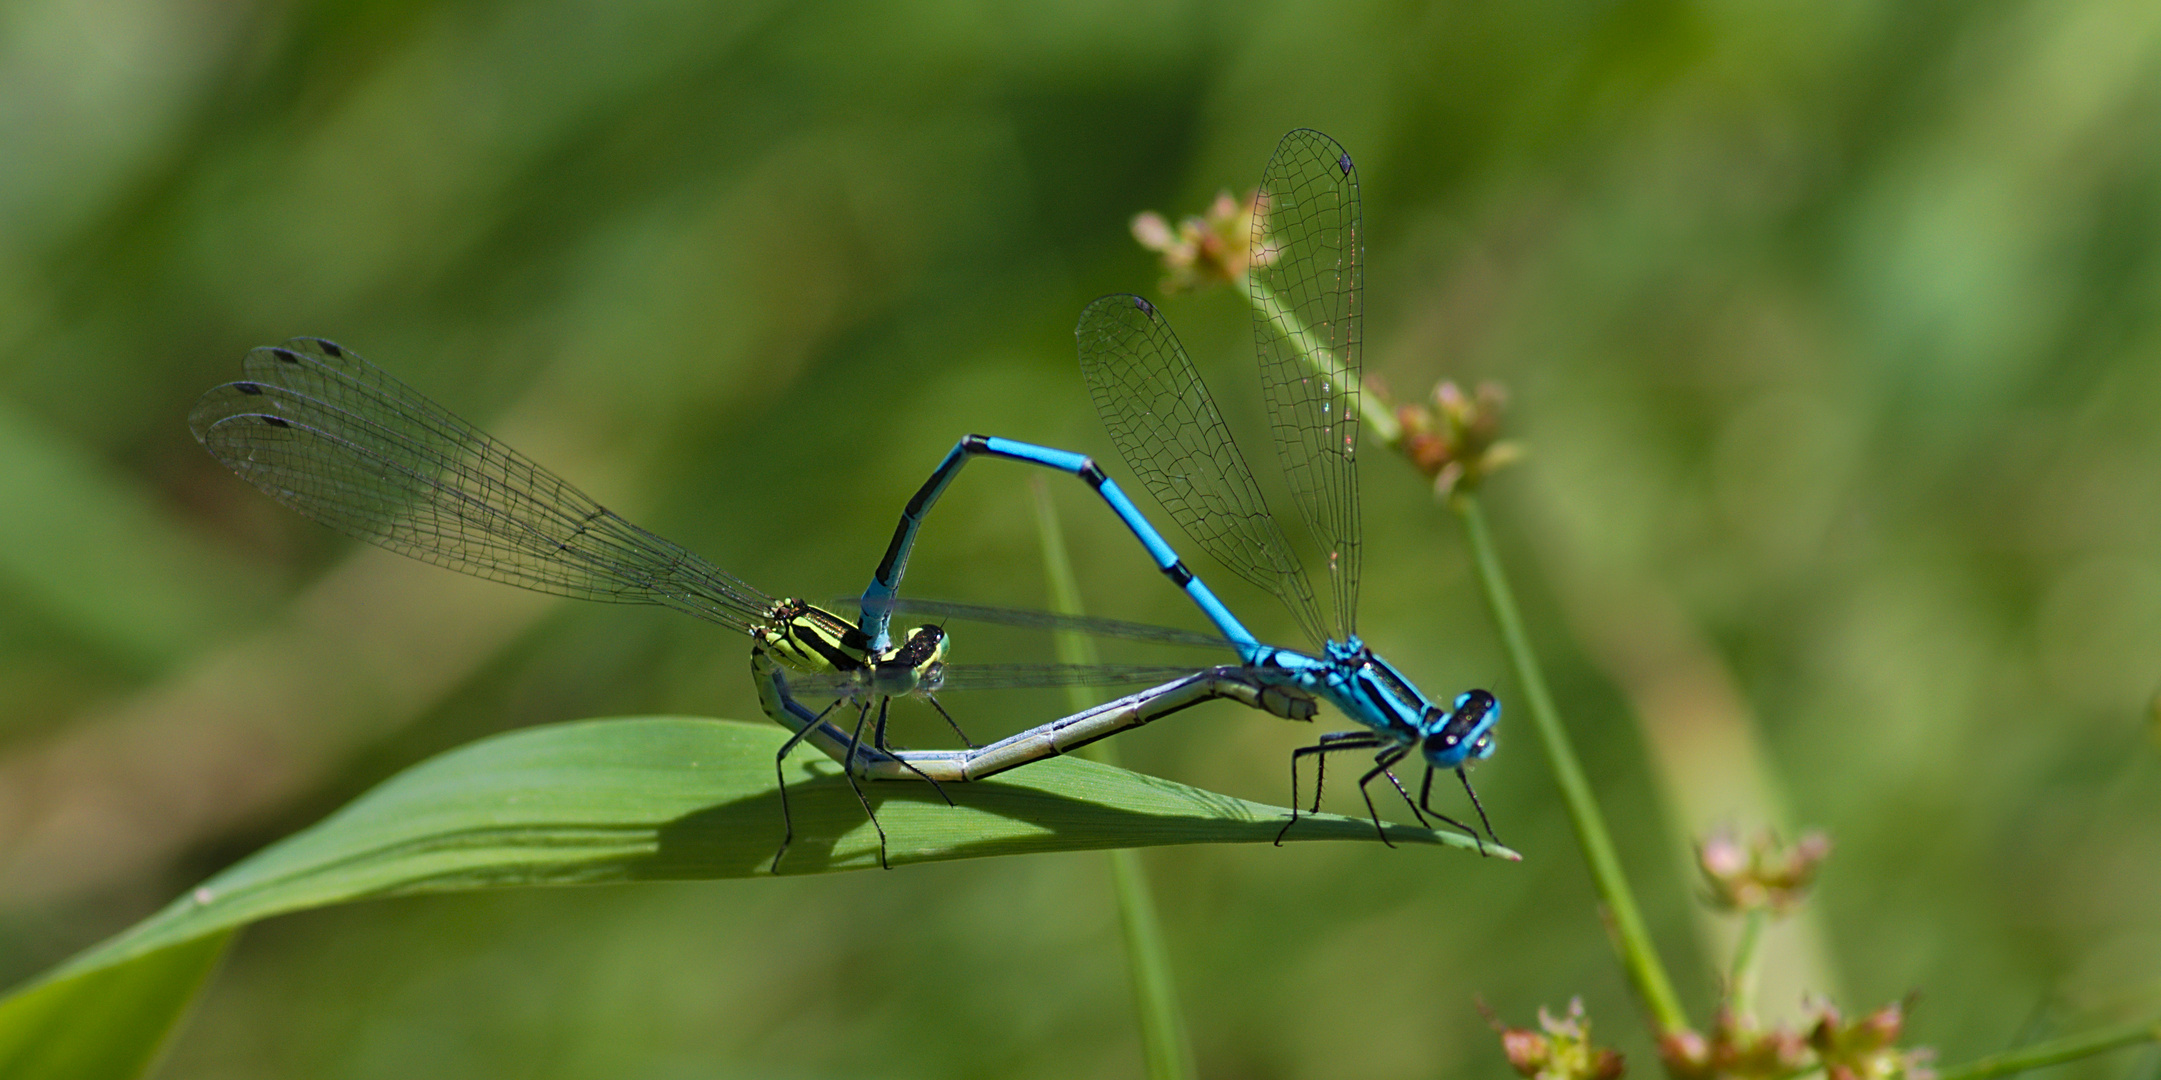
[1166, 425]
[1305, 280]
[341, 441]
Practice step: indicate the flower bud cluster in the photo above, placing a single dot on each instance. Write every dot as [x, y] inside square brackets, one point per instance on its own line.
[1455, 439]
[1213, 248]
[1761, 874]
[1560, 1050]
[1865, 1049]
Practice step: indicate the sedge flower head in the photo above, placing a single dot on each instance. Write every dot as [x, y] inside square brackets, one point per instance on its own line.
[1211, 248]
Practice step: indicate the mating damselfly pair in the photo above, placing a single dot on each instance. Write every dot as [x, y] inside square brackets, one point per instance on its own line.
[341, 441]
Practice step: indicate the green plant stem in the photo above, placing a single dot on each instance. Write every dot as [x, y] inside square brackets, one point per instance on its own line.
[1164, 1042]
[1626, 921]
[1630, 937]
[2056, 1051]
[1741, 991]
[1370, 408]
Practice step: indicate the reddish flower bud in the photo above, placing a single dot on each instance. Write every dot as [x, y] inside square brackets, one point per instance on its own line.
[1762, 873]
[1560, 1050]
[1214, 248]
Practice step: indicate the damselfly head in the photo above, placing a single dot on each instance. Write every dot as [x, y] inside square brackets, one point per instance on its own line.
[1464, 736]
[1481, 749]
[932, 679]
[910, 666]
[923, 645]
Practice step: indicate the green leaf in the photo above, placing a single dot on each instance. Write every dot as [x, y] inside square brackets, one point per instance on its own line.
[658, 798]
[108, 1021]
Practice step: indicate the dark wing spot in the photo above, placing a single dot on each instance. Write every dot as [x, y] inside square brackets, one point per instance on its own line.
[1142, 303]
[330, 347]
[287, 355]
[275, 421]
[1344, 163]
[247, 388]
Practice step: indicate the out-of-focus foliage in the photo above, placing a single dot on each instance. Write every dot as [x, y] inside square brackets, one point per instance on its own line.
[1832, 333]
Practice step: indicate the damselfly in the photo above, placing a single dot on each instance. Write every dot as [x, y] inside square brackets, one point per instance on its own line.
[1305, 282]
[343, 442]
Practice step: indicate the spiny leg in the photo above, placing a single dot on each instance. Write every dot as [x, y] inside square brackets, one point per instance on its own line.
[1398, 784]
[780, 762]
[952, 723]
[1329, 743]
[1380, 768]
[855, 744]
[909, 765]
[1476, 805]
[1425, 799]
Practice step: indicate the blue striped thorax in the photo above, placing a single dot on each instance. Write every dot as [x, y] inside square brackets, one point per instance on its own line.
[1371, 691]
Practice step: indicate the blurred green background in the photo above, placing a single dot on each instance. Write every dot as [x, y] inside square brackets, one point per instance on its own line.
[1833, 329]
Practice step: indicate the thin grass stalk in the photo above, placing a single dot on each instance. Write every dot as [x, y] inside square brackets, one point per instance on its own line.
[1638, 956]
[2056, 1051]
[1165, 1045]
